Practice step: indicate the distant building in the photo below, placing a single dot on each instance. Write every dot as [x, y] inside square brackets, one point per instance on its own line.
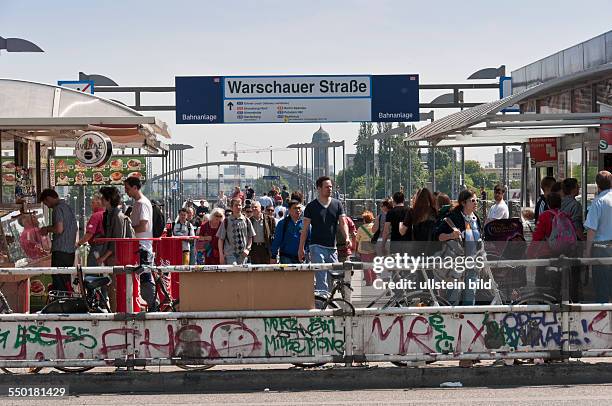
[321, 154]
[513, 173]
[514, 158]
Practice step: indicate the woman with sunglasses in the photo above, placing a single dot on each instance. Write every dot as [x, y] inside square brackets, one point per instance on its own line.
[467, 229]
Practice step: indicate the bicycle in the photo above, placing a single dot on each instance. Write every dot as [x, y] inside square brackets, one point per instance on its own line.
[339, 285]
[169, 304]
[87, 298]
[323, 302]
[166, 302]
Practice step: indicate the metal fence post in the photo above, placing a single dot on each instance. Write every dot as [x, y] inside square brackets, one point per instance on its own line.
[129, 301]
[564, 264]
[348, 319]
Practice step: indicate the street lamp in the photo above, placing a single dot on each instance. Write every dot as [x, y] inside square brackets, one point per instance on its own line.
[99, 80]
[448, 98]
[489, 73]
[18, 45]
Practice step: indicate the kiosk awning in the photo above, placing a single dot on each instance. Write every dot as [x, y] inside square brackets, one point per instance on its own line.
[44, 113]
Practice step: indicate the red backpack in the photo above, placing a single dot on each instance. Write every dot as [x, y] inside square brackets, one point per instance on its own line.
[562, 239]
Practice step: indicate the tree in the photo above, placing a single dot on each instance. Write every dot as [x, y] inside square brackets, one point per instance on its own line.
[364, 152]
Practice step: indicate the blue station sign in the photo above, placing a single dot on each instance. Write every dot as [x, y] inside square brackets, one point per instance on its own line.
[296, 99]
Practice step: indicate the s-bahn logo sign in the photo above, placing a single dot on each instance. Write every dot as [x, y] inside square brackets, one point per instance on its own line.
[93, 149]
[296, 99]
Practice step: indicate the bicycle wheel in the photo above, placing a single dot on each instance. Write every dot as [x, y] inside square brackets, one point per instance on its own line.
[423, 299]
[73, 370]
[188, 367]
[17, 371]
[384, 301]
[323, 303]
[338, 303]
[535, 299]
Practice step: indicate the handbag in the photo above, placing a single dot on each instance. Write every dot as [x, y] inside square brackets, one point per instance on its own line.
[453, 249]
[376, 235]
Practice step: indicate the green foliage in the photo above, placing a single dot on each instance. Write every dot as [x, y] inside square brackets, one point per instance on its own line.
[389, 171]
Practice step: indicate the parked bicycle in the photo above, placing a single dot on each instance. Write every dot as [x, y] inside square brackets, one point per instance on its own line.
[332, 301]
[88, 297]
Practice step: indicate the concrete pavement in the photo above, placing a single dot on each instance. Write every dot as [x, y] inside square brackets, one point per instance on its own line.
[162, 380]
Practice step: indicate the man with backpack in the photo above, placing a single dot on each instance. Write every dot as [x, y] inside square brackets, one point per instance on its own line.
[183, 228]
[599, 235]
[235, 236]
[287, 237]
[142, 222]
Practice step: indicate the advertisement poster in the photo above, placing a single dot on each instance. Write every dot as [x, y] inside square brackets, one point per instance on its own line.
[68, 171]
[9, 179]
[543, 150]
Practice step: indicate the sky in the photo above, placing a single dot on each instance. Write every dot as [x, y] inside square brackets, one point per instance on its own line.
[148, 43]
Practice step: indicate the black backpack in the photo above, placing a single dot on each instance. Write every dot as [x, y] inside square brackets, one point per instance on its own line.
[159, 224]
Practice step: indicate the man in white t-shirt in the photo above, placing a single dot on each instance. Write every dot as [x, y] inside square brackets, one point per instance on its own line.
[142, 221]
[500, 209]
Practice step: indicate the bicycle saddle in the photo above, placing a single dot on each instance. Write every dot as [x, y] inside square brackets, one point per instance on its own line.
[93, 282]
[336, 275]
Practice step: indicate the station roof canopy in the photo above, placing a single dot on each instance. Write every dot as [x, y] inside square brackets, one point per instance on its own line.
[460, 123]
[55, 114]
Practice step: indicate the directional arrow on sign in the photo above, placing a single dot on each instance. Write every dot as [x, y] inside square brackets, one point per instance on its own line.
[230, 105]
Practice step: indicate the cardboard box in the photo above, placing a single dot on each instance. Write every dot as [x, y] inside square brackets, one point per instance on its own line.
[254, 290]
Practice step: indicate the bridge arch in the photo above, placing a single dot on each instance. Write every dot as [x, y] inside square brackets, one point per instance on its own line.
[302, 177]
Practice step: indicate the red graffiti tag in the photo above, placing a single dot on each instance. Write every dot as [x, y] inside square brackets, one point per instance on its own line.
[233, 335]
[404, 341]
[117, 347]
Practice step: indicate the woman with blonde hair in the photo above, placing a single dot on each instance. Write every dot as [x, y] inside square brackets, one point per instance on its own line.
[209, 253]
[365, 248]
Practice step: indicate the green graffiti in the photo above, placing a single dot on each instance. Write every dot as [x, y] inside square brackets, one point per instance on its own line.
[4, 338]
[42, 335]
[289, 335]
[32, 334]
[444, 341]
[80, 335]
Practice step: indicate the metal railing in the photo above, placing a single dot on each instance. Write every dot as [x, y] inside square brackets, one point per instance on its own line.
[400, 335]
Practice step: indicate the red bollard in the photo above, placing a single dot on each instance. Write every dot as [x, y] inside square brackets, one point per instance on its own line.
[126, 253]
[170, 252]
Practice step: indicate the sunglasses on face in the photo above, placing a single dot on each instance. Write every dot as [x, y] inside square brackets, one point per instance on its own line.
[270, 210]
[473, 200]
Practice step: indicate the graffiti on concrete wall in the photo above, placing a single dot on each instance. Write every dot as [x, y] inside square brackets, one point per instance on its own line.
[306, 336]
[478, 332]
[301, 336]
[262, 337]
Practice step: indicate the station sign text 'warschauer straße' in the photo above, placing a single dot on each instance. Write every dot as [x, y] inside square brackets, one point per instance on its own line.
[296, 99]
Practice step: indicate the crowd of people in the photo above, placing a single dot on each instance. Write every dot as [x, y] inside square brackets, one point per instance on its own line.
[278, 227]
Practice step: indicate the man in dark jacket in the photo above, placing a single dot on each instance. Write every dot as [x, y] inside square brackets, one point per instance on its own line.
[264, 227]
